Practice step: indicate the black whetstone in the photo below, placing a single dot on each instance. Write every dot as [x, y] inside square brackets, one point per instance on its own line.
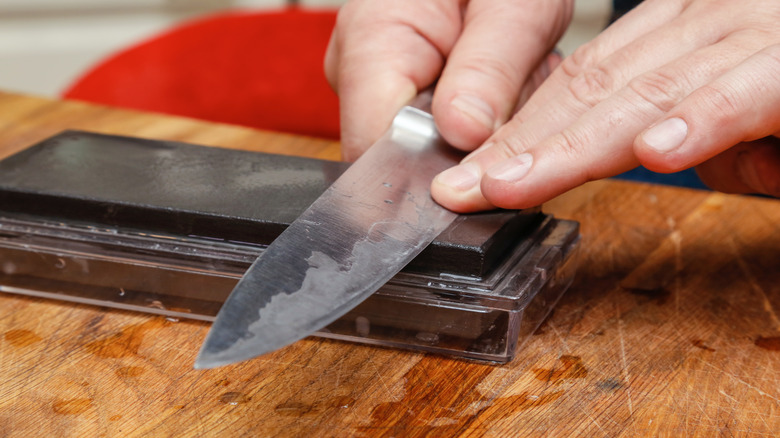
[190, 190]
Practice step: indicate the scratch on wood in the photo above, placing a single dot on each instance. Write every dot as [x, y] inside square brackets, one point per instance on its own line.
[758, 390]
[626, 375]
[676, 238]
[592, 419]
[339, 370]
[743, 266]
[383, 381]
[558, 335]
[763, 420]
[728, 396]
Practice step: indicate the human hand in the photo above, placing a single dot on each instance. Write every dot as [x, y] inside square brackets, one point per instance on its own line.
[671, 85]
[383, 52]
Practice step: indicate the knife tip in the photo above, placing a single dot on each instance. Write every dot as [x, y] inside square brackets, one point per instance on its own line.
[202, 364]
[206, 363]
[208, 359]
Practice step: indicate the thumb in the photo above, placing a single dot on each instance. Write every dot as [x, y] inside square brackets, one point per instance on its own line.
[752, 167]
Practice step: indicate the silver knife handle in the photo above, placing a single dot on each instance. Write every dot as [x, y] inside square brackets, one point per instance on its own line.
[413, 126]
[423, 101]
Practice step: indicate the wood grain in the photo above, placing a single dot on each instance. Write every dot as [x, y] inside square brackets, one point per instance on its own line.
[672, 328]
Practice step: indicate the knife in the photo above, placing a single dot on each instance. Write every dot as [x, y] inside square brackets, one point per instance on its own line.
[365, 227]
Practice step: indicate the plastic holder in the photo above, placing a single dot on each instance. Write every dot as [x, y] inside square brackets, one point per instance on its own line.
[79, 222]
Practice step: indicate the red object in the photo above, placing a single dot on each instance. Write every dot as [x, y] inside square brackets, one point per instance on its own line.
[259, 69]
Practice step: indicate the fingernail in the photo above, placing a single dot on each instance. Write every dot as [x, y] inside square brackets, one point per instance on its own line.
[476, 108]
[667, 135]
[513, 169]
[461, 177]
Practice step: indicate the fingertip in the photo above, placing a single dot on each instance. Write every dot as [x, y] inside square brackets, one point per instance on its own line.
[660, 147]
[553, 60]
[503, 172]
[458, 189]
[505, 183]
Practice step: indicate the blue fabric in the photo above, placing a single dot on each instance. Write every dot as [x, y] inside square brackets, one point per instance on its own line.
[685, 178]
[620, 7]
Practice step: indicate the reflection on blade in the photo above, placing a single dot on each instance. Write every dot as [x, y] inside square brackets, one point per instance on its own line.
[364, 229]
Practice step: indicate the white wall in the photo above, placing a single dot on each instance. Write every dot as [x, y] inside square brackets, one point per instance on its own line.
[590, 17]
[45, 44]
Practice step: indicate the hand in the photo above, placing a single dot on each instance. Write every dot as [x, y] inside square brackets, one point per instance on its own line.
[383, 52]
[671, 85]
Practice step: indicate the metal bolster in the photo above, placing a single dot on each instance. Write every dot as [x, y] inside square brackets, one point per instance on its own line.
[415, 121]
[412, 123]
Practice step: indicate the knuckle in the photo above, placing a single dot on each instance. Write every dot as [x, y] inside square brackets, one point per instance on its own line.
[346, 14]
[583, 58]
[592, 86]
[722, 104]
[569, 148]
[568, 144]
[658, 89]
[728, 101]
[771, 56]
[508, 147]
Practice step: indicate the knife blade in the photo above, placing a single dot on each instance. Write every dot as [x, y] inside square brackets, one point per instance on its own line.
[358, 234]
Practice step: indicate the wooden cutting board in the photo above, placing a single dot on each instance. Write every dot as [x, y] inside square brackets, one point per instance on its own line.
[671, 328]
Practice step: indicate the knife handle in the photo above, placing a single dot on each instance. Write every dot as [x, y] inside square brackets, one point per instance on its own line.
[414, 122]
[423, 100]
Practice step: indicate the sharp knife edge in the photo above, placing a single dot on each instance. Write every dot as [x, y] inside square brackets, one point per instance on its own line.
[364, 229]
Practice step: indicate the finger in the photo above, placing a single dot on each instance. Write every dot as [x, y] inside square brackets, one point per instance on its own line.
[537, 78]
[644, 19]
[331, 59]
[468, 175]
[380, 55]
[593, 84]
[741, 105]
[596, 145]
[549, 131]
[750, 167]
[501, 45]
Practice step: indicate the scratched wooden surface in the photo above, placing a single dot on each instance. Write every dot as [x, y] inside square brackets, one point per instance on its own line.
[672, 328]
